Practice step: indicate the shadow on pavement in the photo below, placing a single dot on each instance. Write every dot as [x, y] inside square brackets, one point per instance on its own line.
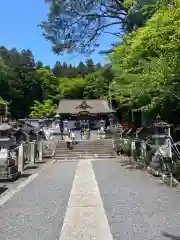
[41, 162]
[124, 164]
[135, 167]
[31, 167]
[170, 236]
[3, 189]
[25, 175]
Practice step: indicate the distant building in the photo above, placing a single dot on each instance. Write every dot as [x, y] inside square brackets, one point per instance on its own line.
[89, 110]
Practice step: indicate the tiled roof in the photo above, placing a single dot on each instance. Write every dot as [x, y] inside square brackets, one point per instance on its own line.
[74, 106]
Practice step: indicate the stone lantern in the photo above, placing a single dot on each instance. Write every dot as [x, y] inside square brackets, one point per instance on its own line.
[65, 124]
[161, 139]
[101, 131]
[102, 124]
[57, 117]
[161, 132]
[111, 116]
[8, 163]
[57, 122]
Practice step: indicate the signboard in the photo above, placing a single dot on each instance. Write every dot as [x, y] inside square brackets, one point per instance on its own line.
[133, 145]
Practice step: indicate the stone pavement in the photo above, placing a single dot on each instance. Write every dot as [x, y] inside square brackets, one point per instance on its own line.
[90, 199]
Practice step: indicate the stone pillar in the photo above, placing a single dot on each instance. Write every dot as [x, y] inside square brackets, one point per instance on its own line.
[168, 142]
[29, 151]
[21, 158]
[40, 150]
[32, 152]
[133, 150]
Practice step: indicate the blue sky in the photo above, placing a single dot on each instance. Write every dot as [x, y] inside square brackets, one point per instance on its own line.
[18, 24]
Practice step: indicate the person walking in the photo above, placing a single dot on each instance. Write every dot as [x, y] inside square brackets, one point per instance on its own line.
[72, 136]
[68, 140]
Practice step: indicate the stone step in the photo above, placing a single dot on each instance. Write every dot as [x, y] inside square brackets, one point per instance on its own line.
[84, 150]
[84, 154]
[96, 142]
[93, 156]
[90, 142]
[103, 148]
[87, 146]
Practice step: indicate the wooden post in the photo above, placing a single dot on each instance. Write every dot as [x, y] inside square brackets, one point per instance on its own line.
[21, 158]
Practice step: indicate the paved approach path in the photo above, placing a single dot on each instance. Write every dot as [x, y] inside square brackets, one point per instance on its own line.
[91, 200]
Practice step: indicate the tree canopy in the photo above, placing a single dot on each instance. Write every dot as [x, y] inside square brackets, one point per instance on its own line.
[29, 85]
[147, 63]
[75, 26]
[45, 109]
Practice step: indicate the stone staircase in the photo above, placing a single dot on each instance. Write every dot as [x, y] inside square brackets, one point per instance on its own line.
[94, 149]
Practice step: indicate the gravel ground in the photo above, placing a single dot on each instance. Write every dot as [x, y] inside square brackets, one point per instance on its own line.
[37, 211]
[138, 207]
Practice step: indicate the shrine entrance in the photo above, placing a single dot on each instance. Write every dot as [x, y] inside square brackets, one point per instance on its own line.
[84, 114]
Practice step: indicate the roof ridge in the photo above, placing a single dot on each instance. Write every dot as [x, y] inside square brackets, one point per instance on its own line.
[83, 100]
[70, 106]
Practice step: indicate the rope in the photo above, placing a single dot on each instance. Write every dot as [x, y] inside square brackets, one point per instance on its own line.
[175, 148]
[17, 147]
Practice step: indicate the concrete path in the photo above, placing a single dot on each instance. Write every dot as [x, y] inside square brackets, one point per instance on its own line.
[85, 217]
[90, 200]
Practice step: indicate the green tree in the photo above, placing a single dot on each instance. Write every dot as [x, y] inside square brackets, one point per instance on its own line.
[82, 69]
[72, 88]
[45, 109]
[90, 66]
[147, 65]
[48, 82]
[57, 69]
[98, 83]
[39, 65]
[77, 25]
[24, 81]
